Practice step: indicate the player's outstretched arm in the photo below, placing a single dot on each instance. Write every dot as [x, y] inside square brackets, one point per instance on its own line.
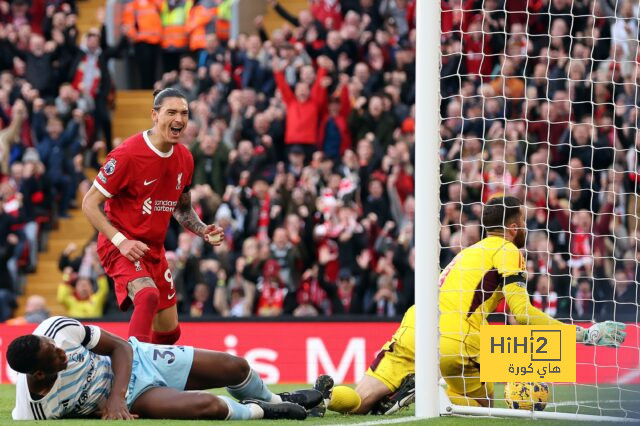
[131, 249]
[187, 217]
[525, 313]
[608, 333]
[121, 356]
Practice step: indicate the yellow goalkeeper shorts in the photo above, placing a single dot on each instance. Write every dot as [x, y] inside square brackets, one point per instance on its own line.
[462, 371]
[395, 360]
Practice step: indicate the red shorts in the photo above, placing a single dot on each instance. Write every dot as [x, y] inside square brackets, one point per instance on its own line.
[123, 271]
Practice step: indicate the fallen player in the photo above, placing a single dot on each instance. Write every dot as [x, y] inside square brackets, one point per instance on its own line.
[68, 369]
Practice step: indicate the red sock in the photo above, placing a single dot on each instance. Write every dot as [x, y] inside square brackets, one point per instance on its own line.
[145, 304]
[165, 337]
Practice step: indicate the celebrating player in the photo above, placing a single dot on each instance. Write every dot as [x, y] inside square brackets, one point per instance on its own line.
[143, 182]
[471, 287]
[388, 384]
[71, 370]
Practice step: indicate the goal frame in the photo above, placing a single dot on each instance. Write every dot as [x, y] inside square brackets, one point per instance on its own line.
[427, 206]
[446, 408]
[431, 397]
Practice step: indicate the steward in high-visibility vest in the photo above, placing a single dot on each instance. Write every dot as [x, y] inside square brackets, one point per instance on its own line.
[127, 20]
[201, 21]
[142, 24]
[174, 15]
[142, 21]
[223, 23]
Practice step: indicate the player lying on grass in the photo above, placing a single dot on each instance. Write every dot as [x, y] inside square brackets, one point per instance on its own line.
[388, 384]
[471, 287]
[71, 370]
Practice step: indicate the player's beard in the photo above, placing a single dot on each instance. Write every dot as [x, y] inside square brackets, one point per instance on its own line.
[520, 238]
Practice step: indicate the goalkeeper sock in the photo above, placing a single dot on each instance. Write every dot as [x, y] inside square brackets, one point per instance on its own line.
[253, 388]
[239, 411]
[344, 400]
[459, 399]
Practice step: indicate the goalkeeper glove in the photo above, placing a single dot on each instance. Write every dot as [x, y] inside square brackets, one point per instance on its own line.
[608, 333]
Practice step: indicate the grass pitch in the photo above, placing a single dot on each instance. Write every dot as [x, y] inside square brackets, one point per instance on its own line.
[583, 399]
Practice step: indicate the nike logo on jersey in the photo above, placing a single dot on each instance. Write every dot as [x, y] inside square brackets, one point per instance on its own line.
[149, 182]
[171, 296]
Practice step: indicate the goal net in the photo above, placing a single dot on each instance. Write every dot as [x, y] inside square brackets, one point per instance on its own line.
[540, 100]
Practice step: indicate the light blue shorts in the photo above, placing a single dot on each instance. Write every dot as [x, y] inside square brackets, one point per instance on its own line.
[157, 366]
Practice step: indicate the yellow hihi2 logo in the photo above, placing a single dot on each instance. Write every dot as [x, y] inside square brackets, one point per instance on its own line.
[519, 353]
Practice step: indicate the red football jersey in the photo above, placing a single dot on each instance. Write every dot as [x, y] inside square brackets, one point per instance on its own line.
[143, 186]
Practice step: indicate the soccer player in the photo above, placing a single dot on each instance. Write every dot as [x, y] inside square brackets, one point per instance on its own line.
[471, 287]
[143, 182]
[71, 370]
[388, 384]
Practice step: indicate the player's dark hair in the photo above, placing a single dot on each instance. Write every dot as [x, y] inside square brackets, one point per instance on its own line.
[499, 212]
[161, 94]
[22, 354]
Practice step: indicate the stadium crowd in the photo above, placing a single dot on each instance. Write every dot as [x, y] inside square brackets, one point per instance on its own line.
[303, 143]
[546, 110]
[54, 91]
[303, 147]
[313, 184]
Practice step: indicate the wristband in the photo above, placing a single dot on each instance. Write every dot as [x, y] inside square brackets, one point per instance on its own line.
[118, 239]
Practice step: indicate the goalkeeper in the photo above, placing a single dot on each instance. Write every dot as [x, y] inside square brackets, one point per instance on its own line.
[471, 287]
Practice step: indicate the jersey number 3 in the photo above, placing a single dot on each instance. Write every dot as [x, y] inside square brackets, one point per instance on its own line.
[164, 355]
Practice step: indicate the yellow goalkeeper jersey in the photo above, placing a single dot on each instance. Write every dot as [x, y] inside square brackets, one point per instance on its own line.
[473, 284]
[409, 318]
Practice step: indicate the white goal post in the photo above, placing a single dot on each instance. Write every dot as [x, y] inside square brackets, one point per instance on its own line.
[431, 398]
[427, 210]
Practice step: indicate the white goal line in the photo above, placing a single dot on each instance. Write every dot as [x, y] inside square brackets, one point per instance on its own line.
[593, 401]
[382, 421]
[508, 412]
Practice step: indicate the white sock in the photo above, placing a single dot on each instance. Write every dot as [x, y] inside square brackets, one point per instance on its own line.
[275, 398]
[256, 411]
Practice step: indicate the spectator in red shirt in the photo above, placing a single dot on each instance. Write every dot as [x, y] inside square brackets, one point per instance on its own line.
[304, 107]
[476, 46]
[327, 12]
[272, 291]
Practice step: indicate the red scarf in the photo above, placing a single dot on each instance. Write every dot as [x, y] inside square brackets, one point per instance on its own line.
[263, 220]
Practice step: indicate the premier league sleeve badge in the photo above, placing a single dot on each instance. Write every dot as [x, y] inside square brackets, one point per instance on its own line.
[110, 167]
